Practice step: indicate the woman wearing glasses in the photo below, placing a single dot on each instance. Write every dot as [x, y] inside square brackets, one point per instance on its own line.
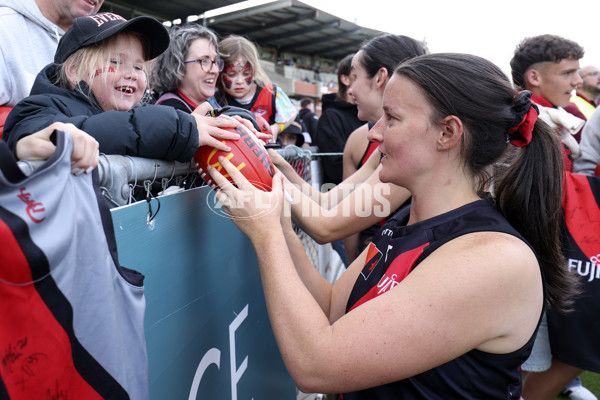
[245, 84]
[185, 75]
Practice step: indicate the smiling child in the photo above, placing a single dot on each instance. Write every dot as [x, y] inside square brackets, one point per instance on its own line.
[98, 82]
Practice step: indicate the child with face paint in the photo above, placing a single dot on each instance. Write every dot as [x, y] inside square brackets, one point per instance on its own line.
[97, 83]
[244, 83]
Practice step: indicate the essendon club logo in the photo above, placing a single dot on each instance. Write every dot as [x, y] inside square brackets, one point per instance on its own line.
[33, 208]
[260, 111]
[373, 257]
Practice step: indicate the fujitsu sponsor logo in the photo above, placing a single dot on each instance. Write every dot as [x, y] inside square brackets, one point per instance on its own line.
[33, 208]
[588, 269]
[386, 283]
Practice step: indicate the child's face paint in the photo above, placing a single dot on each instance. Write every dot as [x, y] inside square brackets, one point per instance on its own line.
[238, 79]
[227, 81]
[103, 70]
[121, 85]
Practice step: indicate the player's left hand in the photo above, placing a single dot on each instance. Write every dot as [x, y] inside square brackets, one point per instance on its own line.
[252, 210]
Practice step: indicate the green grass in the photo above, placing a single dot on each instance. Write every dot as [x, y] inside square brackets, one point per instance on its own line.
[591, 381]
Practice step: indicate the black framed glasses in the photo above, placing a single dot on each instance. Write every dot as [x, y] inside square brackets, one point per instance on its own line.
[206, 63]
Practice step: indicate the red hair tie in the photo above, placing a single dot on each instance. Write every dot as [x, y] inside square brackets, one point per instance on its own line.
[527, 113]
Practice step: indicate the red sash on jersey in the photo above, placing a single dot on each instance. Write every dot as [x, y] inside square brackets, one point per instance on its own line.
[399, 268]
[582, 214]
[59, 274]
[38, 348]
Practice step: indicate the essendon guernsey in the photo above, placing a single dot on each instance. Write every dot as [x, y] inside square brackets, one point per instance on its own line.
[574, 336]
[396, 250]
[71, 318]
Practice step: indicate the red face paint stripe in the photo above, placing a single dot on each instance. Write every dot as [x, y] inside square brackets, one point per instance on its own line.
[107, 69]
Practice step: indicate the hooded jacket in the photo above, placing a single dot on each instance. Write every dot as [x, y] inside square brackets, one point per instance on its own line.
[150, 131]
[28, 42]
[338, 120]
[311, 121]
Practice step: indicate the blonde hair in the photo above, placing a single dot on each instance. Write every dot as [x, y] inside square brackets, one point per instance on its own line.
[234, 47]
[86, 61]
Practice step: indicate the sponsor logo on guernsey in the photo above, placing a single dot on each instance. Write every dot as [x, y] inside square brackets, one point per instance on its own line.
[587, 269]
[260, 111]
[33, 208]
[386, 283]
[387, 232]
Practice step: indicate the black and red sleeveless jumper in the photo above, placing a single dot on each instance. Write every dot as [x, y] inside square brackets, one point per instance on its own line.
[396, 250]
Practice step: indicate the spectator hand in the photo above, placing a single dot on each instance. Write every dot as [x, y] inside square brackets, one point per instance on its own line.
[38, 146]
[264, 137]
[275, 130]
[210, 128]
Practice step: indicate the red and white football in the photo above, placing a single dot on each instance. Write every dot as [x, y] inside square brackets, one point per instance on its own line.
[247, 154]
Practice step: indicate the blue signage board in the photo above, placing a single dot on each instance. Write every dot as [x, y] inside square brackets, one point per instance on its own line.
[207, 329]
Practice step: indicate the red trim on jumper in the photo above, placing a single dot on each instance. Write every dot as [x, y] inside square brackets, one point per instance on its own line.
[368, 153]
[396, 272]
[187, 99]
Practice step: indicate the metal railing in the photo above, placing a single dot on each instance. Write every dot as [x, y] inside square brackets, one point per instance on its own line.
[126, 179]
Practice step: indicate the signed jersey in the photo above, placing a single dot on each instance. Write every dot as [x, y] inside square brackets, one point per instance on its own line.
[574, 336]
[396, 250]
[71, 317]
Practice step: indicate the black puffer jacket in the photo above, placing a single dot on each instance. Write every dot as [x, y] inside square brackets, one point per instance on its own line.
[150, 131]
[338, 120]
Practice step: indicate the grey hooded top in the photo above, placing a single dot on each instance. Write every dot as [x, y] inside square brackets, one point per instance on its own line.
[28, 43]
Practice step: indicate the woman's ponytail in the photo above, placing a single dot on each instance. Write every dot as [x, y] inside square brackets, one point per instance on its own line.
[529, 195]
